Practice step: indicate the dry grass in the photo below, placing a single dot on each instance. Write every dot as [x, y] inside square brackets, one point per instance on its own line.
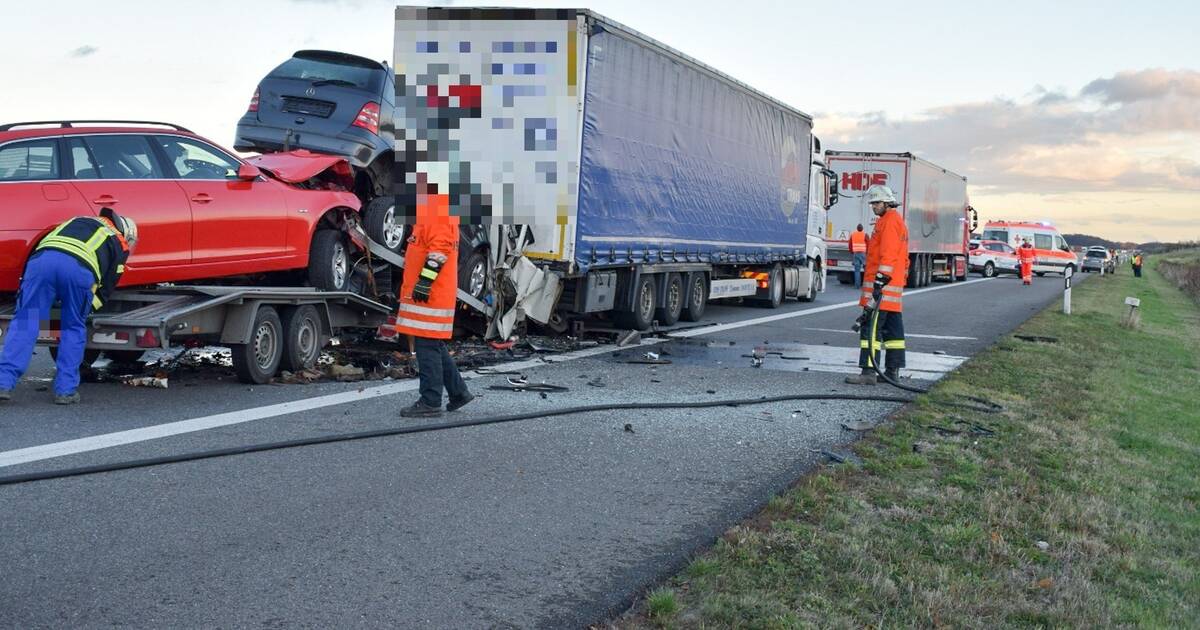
[1096, 459]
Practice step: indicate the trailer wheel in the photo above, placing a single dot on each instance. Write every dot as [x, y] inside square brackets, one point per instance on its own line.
[668, 313]
[302, 338]
[329, 261]
[697, 298]
[382, 224]
[257, 361]
[641, 313]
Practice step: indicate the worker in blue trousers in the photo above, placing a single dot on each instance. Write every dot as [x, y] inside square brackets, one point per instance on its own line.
[77, 265]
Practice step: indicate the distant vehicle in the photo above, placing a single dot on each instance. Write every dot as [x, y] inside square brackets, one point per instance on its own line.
[341, 104]
[991, 258]
[1097, 258]
[1053, 253]
[933, 202]
[201, 211]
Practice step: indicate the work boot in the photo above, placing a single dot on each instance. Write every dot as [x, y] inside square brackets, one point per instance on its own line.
[420, 410]
[893, 374]
[66, 399]
[866, 378]
[458, 403]
[5, 394]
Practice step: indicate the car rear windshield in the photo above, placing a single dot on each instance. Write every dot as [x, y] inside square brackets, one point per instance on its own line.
[336, 72]
[1095, 254]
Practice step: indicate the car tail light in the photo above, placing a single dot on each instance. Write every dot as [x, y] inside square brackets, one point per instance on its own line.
[146, 338]
[368, 118]
[253, 102]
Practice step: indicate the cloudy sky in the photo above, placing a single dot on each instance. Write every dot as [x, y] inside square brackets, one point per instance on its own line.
[1086, 114]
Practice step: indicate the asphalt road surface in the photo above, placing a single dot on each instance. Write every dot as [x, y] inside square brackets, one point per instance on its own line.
[556, 522]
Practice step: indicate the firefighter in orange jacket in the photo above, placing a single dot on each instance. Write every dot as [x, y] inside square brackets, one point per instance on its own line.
[887, 263]
[1027, 257]
[428, 297]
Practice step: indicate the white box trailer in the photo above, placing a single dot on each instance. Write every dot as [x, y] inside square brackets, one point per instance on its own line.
[649, 181]
[933, 201]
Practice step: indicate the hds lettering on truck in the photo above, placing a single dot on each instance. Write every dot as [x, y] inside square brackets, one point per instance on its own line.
[648, 181]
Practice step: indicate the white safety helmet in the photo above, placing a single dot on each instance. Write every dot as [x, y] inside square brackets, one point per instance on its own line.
[125, 225]
[881, 193]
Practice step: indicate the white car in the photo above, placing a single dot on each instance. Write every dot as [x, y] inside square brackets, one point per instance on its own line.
[992, 258]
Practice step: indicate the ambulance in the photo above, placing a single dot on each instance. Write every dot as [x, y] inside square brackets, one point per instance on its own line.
[1053, 253]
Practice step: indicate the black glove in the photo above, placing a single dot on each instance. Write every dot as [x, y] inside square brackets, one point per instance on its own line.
[882, 280]
[424, 286]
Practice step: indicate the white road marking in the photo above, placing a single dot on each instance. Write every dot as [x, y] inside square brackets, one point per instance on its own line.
[907, 335]
[119, 438]
[708, 330]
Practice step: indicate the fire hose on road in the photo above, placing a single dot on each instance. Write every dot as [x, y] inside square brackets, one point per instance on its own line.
[983, 407]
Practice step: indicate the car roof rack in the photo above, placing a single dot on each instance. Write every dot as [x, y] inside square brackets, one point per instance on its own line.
[71, 123]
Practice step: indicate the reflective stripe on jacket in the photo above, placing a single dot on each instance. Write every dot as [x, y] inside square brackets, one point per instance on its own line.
[435, 235]
[887, 253]
[96, 244]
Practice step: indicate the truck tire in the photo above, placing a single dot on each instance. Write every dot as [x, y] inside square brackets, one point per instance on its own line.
[472, 274]
[697, 298]
[641, 312]
[845, 278]
[966, 270]
[914, 273]
[382, 224]
[257, 361]
[329, 261]
[672, 307]
[775, 288]
[814, 284]
[303, 338]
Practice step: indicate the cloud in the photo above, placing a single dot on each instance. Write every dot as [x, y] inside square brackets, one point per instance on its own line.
[1129, 87]
[84, 51]
[1133, 131]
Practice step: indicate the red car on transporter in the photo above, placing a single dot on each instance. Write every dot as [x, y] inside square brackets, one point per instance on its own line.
[202, 212]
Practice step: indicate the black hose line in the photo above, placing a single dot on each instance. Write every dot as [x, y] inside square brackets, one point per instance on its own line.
[423, 428]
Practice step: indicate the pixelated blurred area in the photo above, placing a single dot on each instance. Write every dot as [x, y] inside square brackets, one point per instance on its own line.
[488, 112]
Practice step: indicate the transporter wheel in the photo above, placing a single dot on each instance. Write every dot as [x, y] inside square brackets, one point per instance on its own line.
[668, 313]
[329, 261]
[302, 338]
[257, 361]
[641, 313]
[697, 298]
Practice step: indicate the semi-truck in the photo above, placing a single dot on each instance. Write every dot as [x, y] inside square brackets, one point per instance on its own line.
[932, 200]
[647, 183]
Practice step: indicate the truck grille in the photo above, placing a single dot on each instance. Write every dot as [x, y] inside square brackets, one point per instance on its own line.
[308, 106]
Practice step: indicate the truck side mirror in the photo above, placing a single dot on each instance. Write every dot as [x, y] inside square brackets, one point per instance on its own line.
[974, 218]
[834, 195]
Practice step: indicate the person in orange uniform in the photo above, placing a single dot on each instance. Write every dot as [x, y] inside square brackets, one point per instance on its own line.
[887, 263]
[1027, 256]
[428, 297]
[858, 249]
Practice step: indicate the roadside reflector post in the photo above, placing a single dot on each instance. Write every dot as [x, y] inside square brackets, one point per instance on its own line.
[1133, 317]
[1067, 290]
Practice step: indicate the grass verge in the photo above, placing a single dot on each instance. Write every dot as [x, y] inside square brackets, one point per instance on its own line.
[1080, 510]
